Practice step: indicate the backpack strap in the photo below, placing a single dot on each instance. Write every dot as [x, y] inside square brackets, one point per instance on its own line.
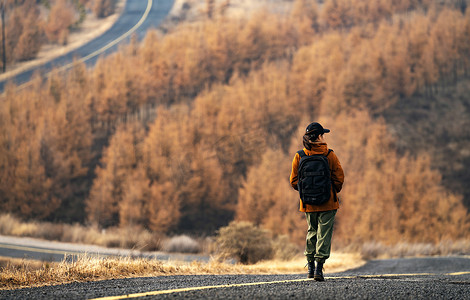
[301, 153]
[332, 186]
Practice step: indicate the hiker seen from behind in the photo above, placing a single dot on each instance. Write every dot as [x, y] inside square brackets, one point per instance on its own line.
[318, 177]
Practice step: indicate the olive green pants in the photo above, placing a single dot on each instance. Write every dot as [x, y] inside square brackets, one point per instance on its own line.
[320, 231]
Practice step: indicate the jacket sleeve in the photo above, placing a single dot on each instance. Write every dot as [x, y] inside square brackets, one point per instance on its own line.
[337, 174]
[293, 175]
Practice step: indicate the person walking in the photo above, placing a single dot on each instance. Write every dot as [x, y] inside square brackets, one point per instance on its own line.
[318, 176]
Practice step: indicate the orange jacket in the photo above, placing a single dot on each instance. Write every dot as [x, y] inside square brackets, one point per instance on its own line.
[337, 177]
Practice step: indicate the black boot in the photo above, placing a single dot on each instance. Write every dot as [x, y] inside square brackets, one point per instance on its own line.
[318, 274]
[311, 269]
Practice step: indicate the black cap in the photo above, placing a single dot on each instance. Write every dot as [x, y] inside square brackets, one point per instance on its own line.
[316, 128]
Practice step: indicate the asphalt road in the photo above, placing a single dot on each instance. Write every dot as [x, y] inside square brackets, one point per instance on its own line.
[415, 278]
[29, 248]
[137, 17]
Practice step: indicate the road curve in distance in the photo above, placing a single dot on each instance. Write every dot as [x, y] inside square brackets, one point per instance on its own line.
[137, 17]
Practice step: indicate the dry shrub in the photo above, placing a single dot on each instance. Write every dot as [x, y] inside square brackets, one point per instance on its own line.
[371, 250]
[7, 224]
[50, 231]
[245, 242]
[181, 244]
[31, 38]
[459, 247]
[10, 225]
[79, 234]
[25, 229]
[209, 246]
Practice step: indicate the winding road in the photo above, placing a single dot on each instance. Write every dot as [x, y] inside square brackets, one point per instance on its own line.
[137, 17]
[413, 278]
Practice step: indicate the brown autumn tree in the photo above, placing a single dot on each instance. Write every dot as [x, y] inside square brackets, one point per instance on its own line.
[31, 188]
[30, 39]
[266, 198]
[13, 30]
[147, 205]
[118, 162]
[210, 7]
[443, 32]
[161, 156]
[177, 159]
[68, 143]
[337, 14]
[344, 14]
[61, 17]
[104, 8]
[314, 67]
[305, 16]
[26, 189]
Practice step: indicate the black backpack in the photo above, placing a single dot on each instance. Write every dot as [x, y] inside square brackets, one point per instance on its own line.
[314, 175]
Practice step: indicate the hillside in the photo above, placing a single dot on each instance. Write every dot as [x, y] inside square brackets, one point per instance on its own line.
[187, 131]
[438, 124]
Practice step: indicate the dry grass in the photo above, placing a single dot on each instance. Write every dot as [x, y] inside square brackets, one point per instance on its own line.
[17, 273]
[373, 250]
